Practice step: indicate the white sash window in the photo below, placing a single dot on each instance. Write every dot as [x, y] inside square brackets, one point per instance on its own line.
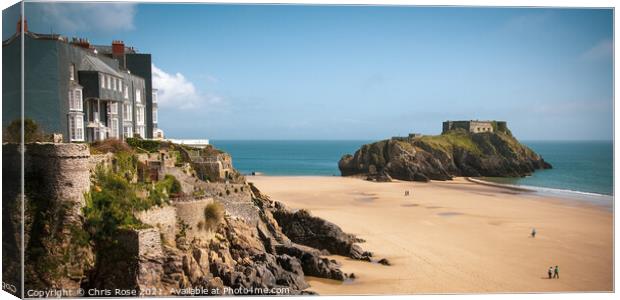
[75, 99]
[127, 116]
[113, 108]
[140, 115]
[128, 131]
[114, 127]
[76, 127]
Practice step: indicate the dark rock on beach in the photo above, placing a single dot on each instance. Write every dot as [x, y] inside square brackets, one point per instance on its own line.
[303, 228]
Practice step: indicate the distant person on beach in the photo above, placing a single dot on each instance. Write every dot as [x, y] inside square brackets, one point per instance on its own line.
[407, 193]
[550, 272]
[556, 272]
[533, 232]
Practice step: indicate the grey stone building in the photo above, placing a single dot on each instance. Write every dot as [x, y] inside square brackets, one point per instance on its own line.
[82, 91]
[475, 126]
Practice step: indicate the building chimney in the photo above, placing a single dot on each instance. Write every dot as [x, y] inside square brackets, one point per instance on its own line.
[19, 25]
[118, 48]
[81, 42]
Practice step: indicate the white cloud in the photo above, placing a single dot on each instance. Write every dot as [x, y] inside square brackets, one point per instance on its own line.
[103, 17]
[602, 49]
[174, 90]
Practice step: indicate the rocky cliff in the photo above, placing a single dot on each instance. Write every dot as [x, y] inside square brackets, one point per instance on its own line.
[441, 157]
[93, 228]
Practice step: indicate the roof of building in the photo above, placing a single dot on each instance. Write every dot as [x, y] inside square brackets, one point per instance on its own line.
[107, 49]
[92, 63]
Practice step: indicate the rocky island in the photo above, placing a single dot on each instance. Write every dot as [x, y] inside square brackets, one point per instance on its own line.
[465, 148]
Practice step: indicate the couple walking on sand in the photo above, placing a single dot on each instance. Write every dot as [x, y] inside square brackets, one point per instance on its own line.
[555, 272]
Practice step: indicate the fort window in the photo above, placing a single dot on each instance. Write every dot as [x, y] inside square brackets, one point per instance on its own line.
[126, 92]
[102, 80]
[138, 95]
[114, 84]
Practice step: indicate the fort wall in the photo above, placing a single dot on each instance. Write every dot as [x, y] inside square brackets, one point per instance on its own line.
[192, 214]
[163, 218]
[60, 171]
[474, 126]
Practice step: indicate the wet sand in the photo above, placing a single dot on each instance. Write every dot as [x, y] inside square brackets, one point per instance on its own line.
[455, 237]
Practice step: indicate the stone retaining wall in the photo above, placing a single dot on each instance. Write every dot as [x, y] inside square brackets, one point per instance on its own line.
[162, 218]
[191, 213]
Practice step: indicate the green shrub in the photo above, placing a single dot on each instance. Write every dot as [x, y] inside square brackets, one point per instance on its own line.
[32, 132]
[145, 145]
[110, 205]
[214, 215]
[126, 164]
[453, 138]
[172, 184]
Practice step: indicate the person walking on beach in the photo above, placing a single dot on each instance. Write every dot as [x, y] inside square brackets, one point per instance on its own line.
[556, 272]
[550, 272]
[533, 232]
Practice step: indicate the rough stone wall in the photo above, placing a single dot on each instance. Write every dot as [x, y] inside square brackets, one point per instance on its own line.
[236, 198]
[136, 263]
[477, 127]
[56, 178]
[189, 184]
[104, 160]
[164, 218]
[64, 168]
[471, 126]
[150, 259]
[191, 213]
[11, 218]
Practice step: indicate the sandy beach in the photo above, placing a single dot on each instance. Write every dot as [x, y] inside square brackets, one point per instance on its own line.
[455, 237]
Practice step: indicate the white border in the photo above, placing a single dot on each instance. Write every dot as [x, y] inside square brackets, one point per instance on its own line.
[510, 3]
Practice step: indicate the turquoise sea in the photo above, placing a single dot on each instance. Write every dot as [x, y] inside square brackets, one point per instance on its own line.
[579, 167]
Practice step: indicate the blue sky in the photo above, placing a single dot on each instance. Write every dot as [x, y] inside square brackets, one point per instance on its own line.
[359, 72]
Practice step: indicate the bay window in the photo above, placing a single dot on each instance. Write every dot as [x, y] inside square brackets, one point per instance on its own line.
[76, 127]
[75, 99]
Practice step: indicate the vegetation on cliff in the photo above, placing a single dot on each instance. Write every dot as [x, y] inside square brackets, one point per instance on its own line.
[32, 132]
[441, 157]
[113, 198]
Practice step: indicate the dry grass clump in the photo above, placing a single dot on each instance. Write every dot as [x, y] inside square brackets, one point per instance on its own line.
[214, 215]
[110, 146]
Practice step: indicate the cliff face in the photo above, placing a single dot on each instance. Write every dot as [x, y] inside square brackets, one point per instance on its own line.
[89, 224]
[455, 153]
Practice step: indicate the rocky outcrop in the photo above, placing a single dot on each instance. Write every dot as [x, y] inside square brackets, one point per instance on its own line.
[256, 246]
[455, 153]
[237, 261]
[305, 229]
